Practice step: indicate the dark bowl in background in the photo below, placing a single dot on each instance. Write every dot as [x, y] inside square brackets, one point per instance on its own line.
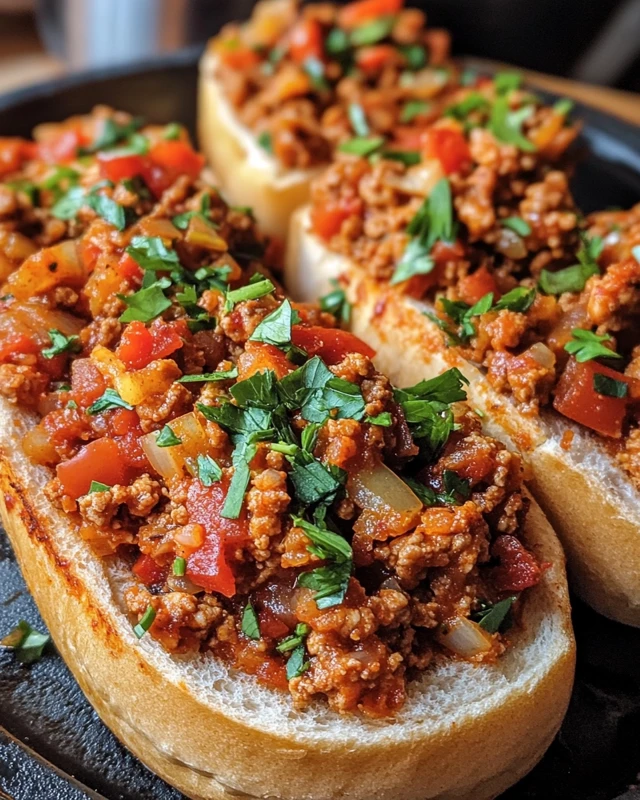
[52, 744]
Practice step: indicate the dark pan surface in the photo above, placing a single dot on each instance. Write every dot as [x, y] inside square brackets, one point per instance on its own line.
[52, 744]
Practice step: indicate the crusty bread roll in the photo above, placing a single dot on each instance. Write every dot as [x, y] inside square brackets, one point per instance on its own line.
[466, 731]
[247, 175]
[592, 505]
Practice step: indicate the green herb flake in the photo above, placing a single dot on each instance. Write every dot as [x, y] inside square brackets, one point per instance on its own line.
[519, 299]
[384, 420]
[61, 344]
[372, 32]
[492, 617]
[358, 120]
[563, 107]
[167, 438]
[146, 304]
[506, 125]
[109, 400]
[209, 471]
[151, 253]
[415, 55]
[314, 68]
[362, 146]
[336, 303]
[68, 206]
[241, 458]
[96, 486]
[208, 377]
[250, 623]
[302, 630]
[609, 387]
[574, 278]
[108, 209]
[517, 224]
[296, 665]
[336, 42]
[252, 291]
[172, 131]
[111, 134]
[407, 157]
[587, 345]
[275, 328]
[26, 642]
[145, 623]
[265, 142]
[413, 109]
[179, 566]
[505, 82]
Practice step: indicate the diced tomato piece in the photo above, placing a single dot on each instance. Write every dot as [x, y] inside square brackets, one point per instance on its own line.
[449, 146]
[122, 421]
[149, 571]
[441, 252]
[89, 252]
[331, 344]
[16, 343]
[173, 158]
[517, 569]
[119, 168]
[326, 220]
[273, 673]
[260, 357]
[577, 399]
[99, 461]
[355, 14]
[60, 148]
[209, 566]
[237, 56]
[129, 268]
[474, 287]
[87, 383]
[270, 625]
[408, 137]
[140, 345]
[306, 40]
[376, 57]
[12, 154]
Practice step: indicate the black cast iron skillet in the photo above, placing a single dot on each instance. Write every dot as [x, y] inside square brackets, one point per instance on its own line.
[52, 744]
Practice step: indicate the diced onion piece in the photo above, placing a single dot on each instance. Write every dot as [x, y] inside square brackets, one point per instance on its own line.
[418, 180]
[180, 583]
[14, 249]
[162, 228]
[37, 446]
[576, 317]
[389, 506]
[542, 355]
[269, 20]
[46, 269]
[203, 235]
[136, 386]
[510, 244]
[427, 82]
[172, 461]
[464, 637]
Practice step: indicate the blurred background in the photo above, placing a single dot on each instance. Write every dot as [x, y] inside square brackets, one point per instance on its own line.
[586, 41]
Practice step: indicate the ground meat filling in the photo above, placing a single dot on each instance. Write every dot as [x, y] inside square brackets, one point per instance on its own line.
[280, 504]
[484, 227]
[294, 75]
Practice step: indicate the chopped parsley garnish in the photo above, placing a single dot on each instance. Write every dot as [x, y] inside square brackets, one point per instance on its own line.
[413, 109]
[563, 107]
[330, 582]
[61, 344]
[109, 400]
[112, 134]
[454, 487]
[296, 665]
[146, 304]
[28, 188]
[336, 303]
[302, 630]
[507, 81]
[610, 387]
[275, 328]
[109, 210]
[407, 157]
[265, 142]
[207, 377]
[587, 345]
[372, 32]
[432, 222]
[151, 253]
[26, 642]
[358, 119]
[241, 458]
[313, 481]
[314, 68]
[506, 125]
[258, 391]
[96, 486]
[182, 221]
[67, 206]
[384, 420]
[519, 299]
[362, 145]
[517, 224]
[415, 55]
[145, 622]
[250, 623]
[337, 42]
[492, 617]
[172, 131]
[474, 101]
[60, 174]
[252, 291]
[574, 278]
[167, 438]
[179, 566]
[209, 471]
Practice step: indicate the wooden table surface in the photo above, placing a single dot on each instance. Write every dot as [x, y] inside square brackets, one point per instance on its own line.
[23, 61]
